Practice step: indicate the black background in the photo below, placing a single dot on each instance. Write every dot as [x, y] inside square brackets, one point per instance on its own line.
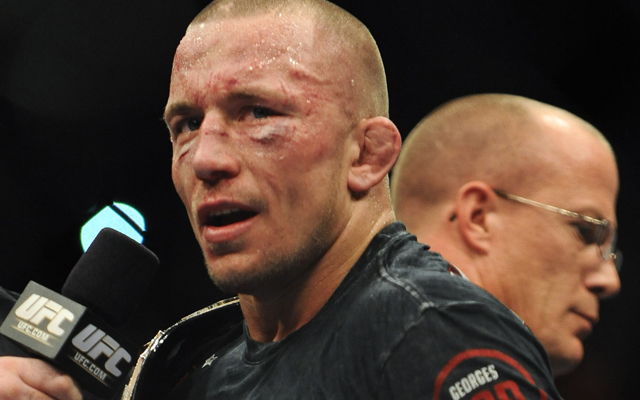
[83, 85]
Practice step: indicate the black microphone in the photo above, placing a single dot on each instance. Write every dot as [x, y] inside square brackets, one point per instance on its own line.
[109, 279]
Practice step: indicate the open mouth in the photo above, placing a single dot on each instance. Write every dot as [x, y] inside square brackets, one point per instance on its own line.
[229, 217]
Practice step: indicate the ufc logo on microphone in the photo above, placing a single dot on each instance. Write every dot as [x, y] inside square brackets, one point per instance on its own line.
[38, 308]
[94, 342]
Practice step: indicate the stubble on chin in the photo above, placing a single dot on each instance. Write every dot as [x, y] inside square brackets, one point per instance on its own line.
[269, 272]
[272, 269]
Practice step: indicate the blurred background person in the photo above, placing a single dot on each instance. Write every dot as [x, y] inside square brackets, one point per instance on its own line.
[520, 196]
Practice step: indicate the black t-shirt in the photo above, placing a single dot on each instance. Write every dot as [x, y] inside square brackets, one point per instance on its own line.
[400, 326]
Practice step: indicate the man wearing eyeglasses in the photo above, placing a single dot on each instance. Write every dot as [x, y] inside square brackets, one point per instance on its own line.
[520, 196]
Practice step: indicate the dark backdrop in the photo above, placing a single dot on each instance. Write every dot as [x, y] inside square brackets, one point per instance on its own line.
[83, 85]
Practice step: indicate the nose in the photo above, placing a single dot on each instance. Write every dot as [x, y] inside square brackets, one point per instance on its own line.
[215, 157]
[605, 280]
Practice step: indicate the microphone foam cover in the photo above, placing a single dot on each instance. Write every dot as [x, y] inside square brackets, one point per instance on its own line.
[111, 276]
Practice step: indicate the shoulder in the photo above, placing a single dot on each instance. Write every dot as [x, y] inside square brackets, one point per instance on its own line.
[418, 292]
[459, 338]
[406, 270]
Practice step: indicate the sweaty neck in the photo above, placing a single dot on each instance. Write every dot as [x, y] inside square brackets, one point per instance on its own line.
[271, 316]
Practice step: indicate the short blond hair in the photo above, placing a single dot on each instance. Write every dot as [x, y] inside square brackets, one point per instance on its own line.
[333, 24]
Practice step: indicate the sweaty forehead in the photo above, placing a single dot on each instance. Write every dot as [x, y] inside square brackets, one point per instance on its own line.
[281, 53]
[259, 40]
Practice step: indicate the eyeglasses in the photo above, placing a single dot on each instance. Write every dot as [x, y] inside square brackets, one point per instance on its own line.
[596, 231]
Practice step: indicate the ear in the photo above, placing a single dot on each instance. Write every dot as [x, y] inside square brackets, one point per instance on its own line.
[475, 207]
[378, 142]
